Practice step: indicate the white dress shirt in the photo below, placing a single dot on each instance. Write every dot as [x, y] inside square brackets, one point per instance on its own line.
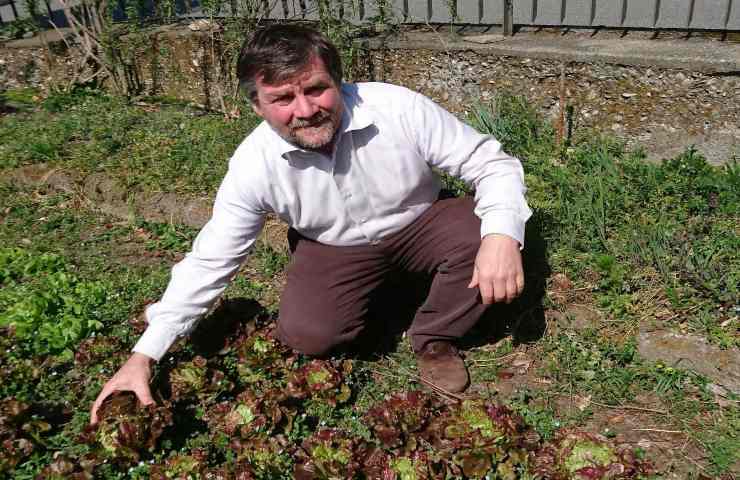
[379, 180]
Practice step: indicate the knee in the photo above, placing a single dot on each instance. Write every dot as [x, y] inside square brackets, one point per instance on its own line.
[315, 339]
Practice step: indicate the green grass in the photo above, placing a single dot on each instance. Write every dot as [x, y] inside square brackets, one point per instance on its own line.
[644, 245]
[632, 224]
[167, 149]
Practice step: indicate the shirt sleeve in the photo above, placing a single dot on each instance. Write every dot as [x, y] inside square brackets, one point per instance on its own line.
[196, 282]
[479, 160]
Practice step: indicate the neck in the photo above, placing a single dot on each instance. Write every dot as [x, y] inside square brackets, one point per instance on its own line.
[327, 149]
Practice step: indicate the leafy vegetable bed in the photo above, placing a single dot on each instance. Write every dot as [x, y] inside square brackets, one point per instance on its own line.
[555, 394]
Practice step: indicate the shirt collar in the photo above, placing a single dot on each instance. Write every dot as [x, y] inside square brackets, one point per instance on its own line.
[354, 117]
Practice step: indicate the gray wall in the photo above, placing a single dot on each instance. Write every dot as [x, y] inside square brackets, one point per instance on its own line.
[681, 14]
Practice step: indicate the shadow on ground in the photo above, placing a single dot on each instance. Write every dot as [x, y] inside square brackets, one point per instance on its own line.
[394, 305]
[229, 317]
[523, 319]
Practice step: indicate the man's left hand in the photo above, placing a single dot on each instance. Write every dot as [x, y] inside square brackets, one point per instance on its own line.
[498, 271]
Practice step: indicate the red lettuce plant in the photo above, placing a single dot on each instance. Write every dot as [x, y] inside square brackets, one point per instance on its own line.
[181, 467]
[19, 432]
[475, 439]
[195, 380]
[261, 357]
[333, 454]
[95, 349]
[398, 418]
[236, 471]
[232, 471]
[13, 451]
[416, 466]
[319, 379]
[328, 454]
[126, 428]
[266, 456]
[64, 467]
[574, 454]
[253, 426]
[249, 415]
[194, 466]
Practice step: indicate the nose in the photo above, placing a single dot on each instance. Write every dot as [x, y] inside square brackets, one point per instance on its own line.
[304, 108]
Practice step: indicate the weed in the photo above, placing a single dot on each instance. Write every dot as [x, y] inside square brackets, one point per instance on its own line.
[723, 443]
[168, 150]
[17, 28]
[535, 413]
[21, 98]
[270, 260]
[166, 236]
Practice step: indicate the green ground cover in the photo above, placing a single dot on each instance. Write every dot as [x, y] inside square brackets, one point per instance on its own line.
[166, 146]
[636, 246]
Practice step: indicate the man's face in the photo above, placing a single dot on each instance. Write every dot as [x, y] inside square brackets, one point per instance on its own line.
[305, 110]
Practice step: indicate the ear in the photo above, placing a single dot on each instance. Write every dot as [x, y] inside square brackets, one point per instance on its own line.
[256, 107]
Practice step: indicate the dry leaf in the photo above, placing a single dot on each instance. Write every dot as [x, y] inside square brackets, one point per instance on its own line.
[583, 402]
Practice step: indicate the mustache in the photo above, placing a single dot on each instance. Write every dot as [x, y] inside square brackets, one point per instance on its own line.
[318, 119]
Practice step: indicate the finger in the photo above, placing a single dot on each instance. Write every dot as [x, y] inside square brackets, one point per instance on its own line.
[105, 393]
[486, 292]
[144, 395]
[511, 290]
[519, 284]
[94, 413]
[520, 281]
[499, 291]
[474, 281]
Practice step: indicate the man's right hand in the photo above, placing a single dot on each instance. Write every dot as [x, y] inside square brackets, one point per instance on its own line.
[133, 376]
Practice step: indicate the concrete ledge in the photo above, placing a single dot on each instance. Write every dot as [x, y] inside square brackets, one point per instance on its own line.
[697, 54]
[706, 56]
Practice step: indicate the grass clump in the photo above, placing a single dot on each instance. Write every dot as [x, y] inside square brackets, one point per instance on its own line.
[155, 146]
[626, 227]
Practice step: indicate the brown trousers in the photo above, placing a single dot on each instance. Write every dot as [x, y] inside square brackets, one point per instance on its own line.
[325, 303]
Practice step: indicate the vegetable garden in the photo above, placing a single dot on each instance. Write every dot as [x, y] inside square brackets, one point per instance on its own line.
[617, 247]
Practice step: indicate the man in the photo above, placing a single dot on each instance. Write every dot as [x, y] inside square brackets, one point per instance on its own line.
[349, 168]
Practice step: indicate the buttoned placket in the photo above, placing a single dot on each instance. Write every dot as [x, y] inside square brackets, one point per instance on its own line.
[353, 203]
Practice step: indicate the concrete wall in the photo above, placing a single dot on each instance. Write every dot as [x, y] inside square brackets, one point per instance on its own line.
[681, 14]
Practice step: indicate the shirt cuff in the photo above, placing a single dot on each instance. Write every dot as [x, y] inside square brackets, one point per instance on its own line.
[505, 224]
[156, 340]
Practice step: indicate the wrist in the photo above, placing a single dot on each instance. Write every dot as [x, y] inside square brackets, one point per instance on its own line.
[501, 237]
[139, 359]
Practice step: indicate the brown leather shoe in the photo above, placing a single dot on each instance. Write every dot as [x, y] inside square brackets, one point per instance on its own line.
[440, 363]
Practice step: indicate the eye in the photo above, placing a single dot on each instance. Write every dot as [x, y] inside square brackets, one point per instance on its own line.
[317, 90]
[283, 99]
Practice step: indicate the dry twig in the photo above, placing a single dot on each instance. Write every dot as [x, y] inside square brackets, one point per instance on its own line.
[657, 430]
[436, 388]
[620, 407]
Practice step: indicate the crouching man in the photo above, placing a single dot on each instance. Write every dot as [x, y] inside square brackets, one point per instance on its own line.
[350, 168]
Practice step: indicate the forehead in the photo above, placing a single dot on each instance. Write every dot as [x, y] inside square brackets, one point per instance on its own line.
[313, 71]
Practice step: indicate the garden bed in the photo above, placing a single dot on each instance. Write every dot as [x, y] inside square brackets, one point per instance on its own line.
[618, 250]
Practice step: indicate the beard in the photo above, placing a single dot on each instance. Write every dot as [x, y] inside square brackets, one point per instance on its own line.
[313, 133]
